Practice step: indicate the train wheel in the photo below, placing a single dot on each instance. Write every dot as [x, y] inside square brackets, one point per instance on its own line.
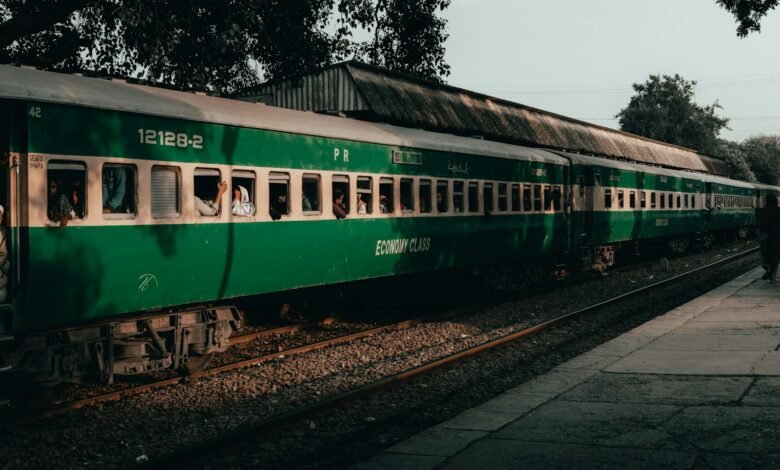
[197, 363]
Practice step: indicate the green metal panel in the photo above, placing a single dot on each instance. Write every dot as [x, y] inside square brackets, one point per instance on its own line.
[81, 273]
[619, 226]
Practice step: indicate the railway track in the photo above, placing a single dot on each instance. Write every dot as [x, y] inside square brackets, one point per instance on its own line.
[273, 424]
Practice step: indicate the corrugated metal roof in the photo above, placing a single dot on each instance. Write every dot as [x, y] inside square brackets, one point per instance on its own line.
[372, 93]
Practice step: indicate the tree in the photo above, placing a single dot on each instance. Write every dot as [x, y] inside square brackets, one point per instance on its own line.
[748, 13]
[408, 36]
[663, 109]
[733, 154]
[215, 46]
[763, 155]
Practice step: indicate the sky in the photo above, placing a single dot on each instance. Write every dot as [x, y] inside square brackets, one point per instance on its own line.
[579, 58]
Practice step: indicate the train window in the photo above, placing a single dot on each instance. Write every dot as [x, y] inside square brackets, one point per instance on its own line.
[652, 200]
[67, 183]
[526, 197]
[119, 192]
[340, 188]
[679, 205]
[632, 199]
[279, 194]
[608, 198]
[556, 195]
[457, 197]
[693, 200]
[206, 187]
[685, 201]
[365, 192]
[537, 197]
[581, 184]
[473, 196]
[166, 191]
[670, 197]
[386, 195]
[311, 194]
[425, 196]
[407, 195]
[547, 198]
[487, 195]
[662, 200]
[643, 199]
[442, 196]
[620, 199]
[516, 197]
[244, 200]
[502, 199]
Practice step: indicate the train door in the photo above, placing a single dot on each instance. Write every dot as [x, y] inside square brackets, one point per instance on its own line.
[582, 213]
[5, 185]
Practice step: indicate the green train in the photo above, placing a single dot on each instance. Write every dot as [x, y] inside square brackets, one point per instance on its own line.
[123, 249]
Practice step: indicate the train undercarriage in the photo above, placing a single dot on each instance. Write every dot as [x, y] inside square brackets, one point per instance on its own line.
[98, 353]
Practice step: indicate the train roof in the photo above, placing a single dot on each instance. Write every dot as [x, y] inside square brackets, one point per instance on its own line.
[24, 83]
[627, 166]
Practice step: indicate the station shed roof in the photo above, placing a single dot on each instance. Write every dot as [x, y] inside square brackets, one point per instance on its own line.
[370, 93]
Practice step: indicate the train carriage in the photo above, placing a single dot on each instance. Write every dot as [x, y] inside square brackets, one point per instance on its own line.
[416, 201]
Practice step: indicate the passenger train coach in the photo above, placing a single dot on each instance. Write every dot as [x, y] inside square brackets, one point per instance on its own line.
[137, 276]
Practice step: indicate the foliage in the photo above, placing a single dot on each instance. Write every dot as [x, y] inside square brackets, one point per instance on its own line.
[733, 154]
[748, 13]
[763, 155]
[219, 46]
[407, 35]
[663, 109]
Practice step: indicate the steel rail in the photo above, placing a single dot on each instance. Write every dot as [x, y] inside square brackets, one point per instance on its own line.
[231, 438]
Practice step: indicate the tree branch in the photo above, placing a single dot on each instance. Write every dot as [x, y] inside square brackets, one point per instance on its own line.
[38, 18]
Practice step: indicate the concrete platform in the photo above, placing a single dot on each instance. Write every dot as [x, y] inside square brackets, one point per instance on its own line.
[696, 388]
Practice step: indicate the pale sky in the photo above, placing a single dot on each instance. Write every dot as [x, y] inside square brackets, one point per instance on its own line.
[579, 58]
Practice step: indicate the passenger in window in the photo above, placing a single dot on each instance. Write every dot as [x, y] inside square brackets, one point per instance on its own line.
[114, 184]
[242, 206]
[441, 206]
[59, 209]
[339, 210]
[210, 208]
[278, 207]
[305, 203]
[77, 199]
[383, 206]
[362, 206]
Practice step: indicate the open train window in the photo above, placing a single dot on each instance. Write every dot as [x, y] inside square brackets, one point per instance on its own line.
[365, 193]
[608, 198]
[547, 198]
[279, 194]
[537, 197]
[473, 196]
[670, 197]
[386, 195]
[526, 197]
[457, 196]
[425, 196]
[340, 186]
[693, 200]
[442, 196]
[679, 199]
[620, 199]
[502, 199]
[516, 197]
[632, 199]
[244, 193]
[685, 201]
[581, 184]
[557, 196]
[487, 192]
[662, 200]
[643, 199]
[66, 186]
[311, 194]
[119, 192]
[206, 183]
[166, 191]
[652, 200]
[407, 195]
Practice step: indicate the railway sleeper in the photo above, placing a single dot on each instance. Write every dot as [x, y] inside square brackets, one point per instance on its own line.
[98, 353]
